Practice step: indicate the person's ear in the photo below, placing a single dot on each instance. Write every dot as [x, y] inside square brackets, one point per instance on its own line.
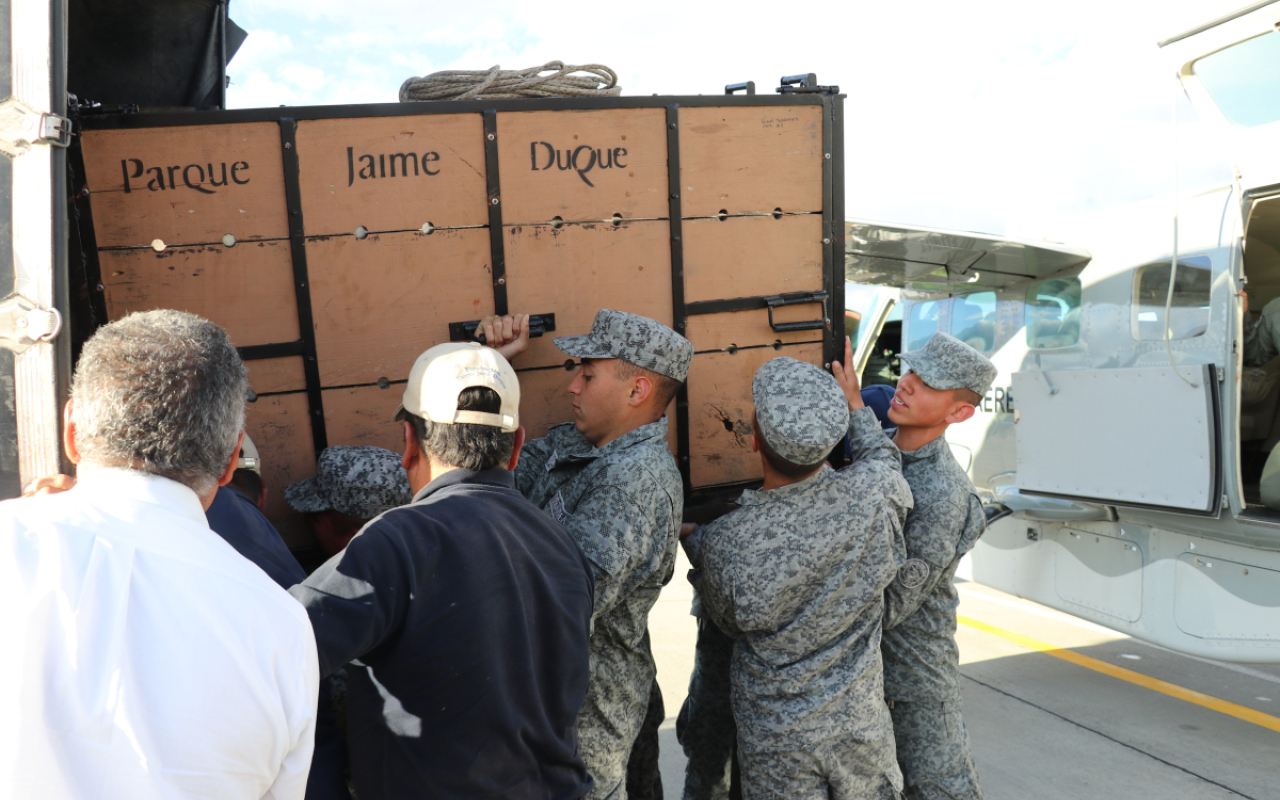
[69, 434]
[515, 449]
[641, 391]
[960, 413]
[233, 462]
[755, 440]
[412, 452]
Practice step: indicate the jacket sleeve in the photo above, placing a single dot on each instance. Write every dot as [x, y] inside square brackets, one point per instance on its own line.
[868, 441]
[533, 461]
[291, 779]
[712, 577]
[613, 530]
[936, 536]
[357, 599]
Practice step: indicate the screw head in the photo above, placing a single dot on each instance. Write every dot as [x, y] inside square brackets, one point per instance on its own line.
[288, 145]
[494, 201]
[826, 155]
[502, 281]
[491, 137]
[826, 241]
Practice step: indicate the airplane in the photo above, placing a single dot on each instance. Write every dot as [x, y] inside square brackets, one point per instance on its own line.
[1126, 454]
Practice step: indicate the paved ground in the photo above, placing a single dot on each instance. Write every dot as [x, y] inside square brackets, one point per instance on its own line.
[1045, 727]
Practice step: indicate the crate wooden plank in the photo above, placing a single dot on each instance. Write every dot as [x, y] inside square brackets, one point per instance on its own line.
[392, 173]
[281, 429]
[583, 164]
[752, 256]
[576, 270]
[276, 374]
[247, 289]
[364, 415]
[750, 160]
[544, 400]
[186, 185]
[721, 410]
[379, 302]
[751, 328]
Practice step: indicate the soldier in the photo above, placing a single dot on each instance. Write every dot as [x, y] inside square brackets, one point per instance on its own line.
[705, 726]
[945, 381]
[796, 574]
[352, 485]
[610, 479]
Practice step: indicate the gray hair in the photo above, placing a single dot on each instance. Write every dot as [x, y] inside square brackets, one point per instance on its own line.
[161, 392]
[462, 444]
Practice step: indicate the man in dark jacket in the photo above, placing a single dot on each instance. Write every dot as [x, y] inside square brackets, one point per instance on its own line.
[469, 607]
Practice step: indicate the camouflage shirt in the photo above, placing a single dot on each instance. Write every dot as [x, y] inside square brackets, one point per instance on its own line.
[622, 504]
[921, 659]
[797, 576]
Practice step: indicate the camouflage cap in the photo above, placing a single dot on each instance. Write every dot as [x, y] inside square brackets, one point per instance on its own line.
[801, 410]
[635, 339]
[945, 362]
[361, 482]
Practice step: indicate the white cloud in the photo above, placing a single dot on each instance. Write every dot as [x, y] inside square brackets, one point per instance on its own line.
[987, 115]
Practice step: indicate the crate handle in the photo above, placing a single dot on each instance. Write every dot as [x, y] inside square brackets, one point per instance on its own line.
[795, 299]
[466, 331]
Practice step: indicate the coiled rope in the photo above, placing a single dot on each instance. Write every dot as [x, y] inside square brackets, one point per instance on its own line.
[497, 84]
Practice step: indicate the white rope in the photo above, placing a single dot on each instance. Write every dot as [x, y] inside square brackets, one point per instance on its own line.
[497, 84]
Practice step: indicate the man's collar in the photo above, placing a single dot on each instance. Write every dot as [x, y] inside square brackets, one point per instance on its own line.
[112, 484]
[758, 497]
[929, 450]
[653, 430]
[576, 446]
[489, 477]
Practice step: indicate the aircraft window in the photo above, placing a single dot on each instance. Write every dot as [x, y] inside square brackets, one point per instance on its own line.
[1189, 316]
[1053, 313]
[922, 322]
[1244, 80]
[973, 320]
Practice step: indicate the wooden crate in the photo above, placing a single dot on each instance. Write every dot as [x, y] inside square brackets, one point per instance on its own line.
[344, 240]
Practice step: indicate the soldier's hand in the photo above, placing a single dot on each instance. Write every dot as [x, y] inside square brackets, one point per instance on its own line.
[51, 484]
[687, 528]
[847, 377]
[508, 335]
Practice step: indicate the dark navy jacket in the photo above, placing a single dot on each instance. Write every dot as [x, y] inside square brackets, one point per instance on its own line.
[236, 518]
[471, 609]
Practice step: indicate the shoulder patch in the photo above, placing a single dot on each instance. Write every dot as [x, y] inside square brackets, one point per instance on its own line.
[913, 573]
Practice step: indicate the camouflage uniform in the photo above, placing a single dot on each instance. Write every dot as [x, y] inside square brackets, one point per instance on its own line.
[705, 727]
[796, 575]
[622, 503]
[1262, 338]
[921, 660]
[361, 482]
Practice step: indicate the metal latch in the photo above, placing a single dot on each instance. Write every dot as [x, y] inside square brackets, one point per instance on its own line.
[804, 84]
[22, 126]
[23, 323]
[466, 331]
[795, 299]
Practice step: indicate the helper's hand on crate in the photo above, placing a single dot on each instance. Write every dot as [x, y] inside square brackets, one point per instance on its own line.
[508, 335]
[51, 484]
[847, 377]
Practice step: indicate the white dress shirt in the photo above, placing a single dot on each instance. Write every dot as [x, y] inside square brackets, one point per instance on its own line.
[142, 656]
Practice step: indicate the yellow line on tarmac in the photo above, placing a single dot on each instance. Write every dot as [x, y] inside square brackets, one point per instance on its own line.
[1154, 684]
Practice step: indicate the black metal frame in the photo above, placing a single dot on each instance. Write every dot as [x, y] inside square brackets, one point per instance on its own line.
[287, 118]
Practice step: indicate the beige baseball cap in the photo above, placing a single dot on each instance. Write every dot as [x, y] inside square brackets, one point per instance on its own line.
[443, 372]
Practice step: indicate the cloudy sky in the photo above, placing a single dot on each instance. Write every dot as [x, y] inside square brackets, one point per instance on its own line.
[1002, 117]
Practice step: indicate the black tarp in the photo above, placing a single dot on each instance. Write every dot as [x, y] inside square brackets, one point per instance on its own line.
[151, 53]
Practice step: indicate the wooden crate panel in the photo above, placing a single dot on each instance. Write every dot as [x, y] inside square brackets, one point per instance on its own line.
[721, 410]
[544, 400]
[576, 270]
[583, 165]
[276, 375]
[752, 256]
[379, 302]
[186, 185]
[751, 328]
[750, 160]
[364, 415]
[247, 289]
[392, 173]
[281, 429]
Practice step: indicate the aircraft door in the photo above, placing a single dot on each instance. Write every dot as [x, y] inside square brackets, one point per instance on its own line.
[1145, 436]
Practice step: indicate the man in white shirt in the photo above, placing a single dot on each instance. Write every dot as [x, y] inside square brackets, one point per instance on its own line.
[144, 657]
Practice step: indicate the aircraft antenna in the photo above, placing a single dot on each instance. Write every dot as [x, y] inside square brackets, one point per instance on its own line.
[1173, 262]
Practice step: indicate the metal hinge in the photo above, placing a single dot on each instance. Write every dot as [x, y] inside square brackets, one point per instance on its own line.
[22, 126]
[23, 323]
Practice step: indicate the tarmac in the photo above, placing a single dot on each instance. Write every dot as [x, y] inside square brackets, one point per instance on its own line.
[1060, 708]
